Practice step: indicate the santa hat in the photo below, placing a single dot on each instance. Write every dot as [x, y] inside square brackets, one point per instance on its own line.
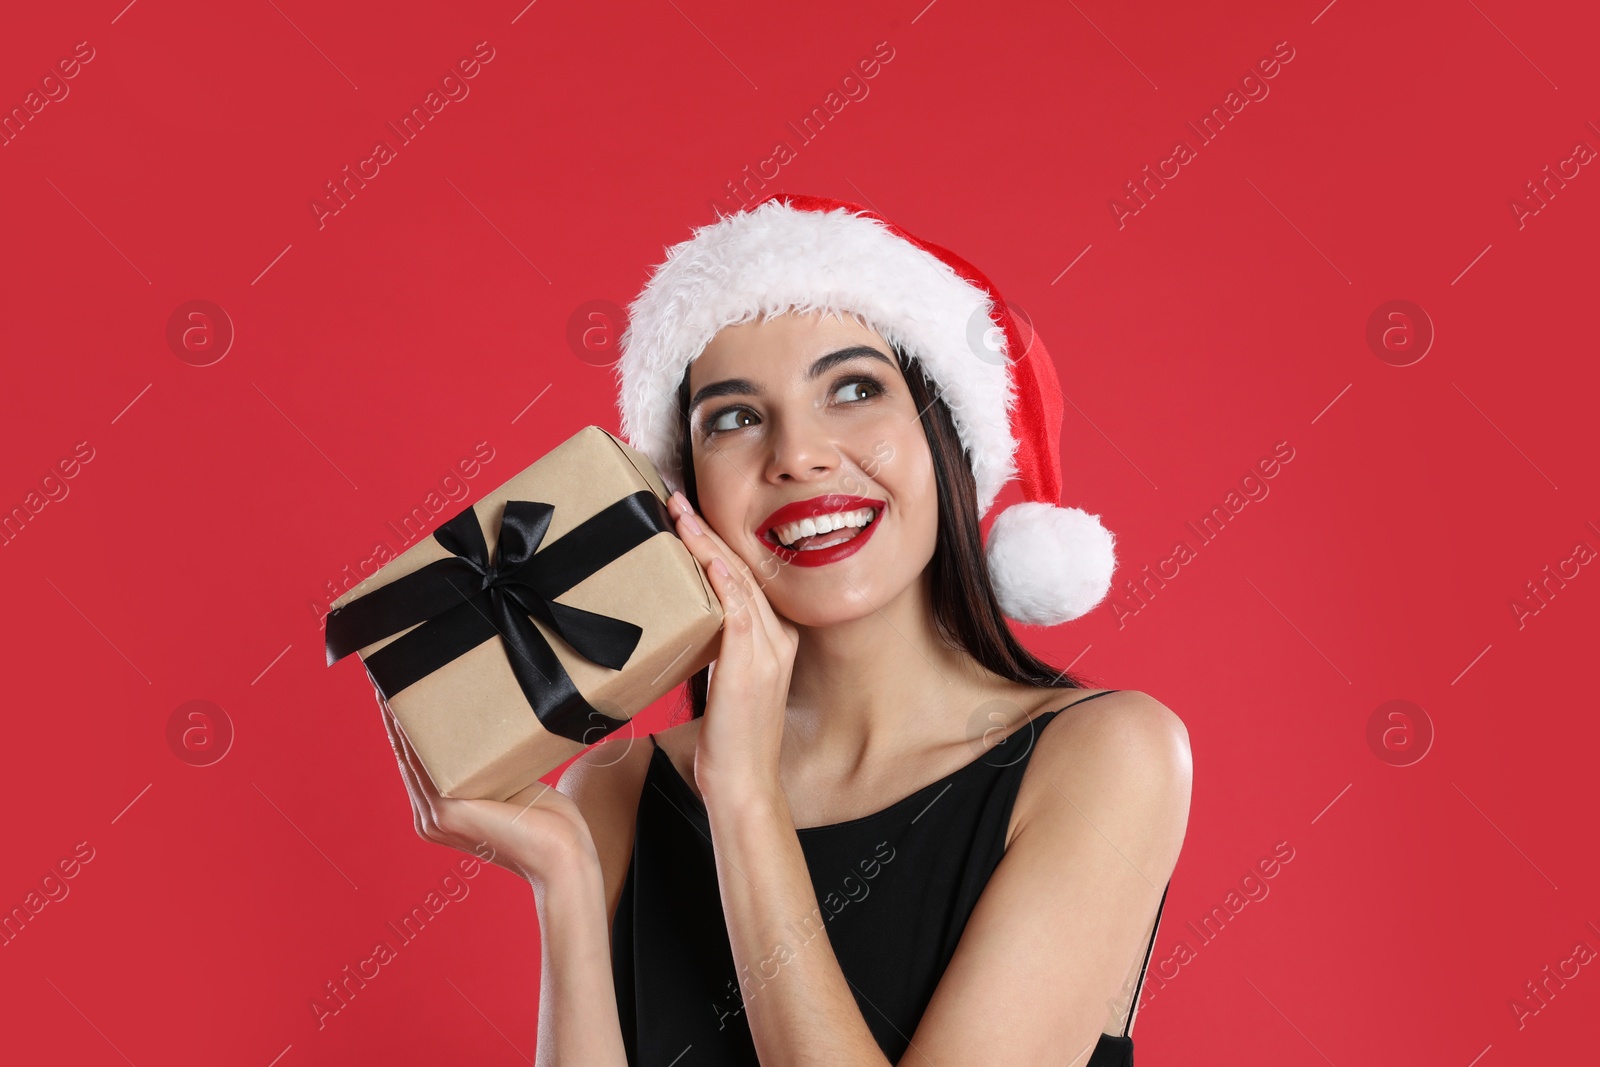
[1048, 564]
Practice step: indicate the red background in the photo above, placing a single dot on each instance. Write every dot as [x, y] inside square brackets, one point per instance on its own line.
[190, 558]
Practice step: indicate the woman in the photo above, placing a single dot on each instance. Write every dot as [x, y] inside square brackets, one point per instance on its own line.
[868, 755]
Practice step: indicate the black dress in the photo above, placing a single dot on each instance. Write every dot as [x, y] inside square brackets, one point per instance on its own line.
[896, 889]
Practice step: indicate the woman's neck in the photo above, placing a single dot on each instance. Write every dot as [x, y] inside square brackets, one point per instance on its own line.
[867, 690]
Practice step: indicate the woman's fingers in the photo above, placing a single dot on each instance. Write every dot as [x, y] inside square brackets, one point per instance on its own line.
[436, 818]
[708, 549]
[511, 834]
[737, 617]
[754, 635]
[753, 599]
[703, 542]
[393, 730]
[706, 546]
[425, 798]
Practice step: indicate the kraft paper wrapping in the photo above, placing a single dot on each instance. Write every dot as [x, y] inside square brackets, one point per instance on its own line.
[469, 721]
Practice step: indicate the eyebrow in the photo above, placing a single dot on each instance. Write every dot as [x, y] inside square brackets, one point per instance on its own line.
[745, 387]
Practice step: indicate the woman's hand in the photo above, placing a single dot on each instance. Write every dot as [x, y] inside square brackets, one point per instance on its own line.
[736, 756]
[538, 834]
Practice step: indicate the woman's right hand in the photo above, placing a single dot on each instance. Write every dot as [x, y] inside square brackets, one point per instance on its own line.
[538, 834]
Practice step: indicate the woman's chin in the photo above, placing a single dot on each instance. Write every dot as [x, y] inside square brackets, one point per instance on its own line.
[820, 609]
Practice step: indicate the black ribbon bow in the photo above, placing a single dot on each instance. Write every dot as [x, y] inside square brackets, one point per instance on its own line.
[466, 599]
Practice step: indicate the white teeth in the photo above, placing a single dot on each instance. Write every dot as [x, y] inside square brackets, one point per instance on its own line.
[789, 533]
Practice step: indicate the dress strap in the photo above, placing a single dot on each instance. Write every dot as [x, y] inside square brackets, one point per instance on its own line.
[1085, 700]
[1134, 1006]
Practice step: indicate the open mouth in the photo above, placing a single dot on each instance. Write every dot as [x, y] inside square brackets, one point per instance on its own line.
[821, 530]
[824, 531]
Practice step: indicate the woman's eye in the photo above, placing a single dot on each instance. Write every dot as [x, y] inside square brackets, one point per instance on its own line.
[718, 421]
[859, 383]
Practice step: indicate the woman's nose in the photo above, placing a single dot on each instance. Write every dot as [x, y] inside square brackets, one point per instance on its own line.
[802, 452]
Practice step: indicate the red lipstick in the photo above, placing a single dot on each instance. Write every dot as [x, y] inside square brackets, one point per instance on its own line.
[807, 509]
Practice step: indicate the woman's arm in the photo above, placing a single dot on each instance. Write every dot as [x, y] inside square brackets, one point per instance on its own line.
[578, 1017]
[543, 837]
[1065, 915]
[797, 1001]
[578, 1024]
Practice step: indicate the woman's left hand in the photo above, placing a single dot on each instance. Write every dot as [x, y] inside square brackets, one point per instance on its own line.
[736, 756]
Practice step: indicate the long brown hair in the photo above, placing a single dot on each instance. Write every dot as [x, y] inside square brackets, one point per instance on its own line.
[964, 604]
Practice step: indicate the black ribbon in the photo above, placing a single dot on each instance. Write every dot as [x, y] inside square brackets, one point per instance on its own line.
[464, 600]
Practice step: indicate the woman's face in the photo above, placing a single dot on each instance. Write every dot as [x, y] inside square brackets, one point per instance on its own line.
[797, 407]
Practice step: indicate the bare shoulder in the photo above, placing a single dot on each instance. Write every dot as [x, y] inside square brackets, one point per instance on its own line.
[606, 783]
[1124, 751]
[1124, 720]
[1073, 904]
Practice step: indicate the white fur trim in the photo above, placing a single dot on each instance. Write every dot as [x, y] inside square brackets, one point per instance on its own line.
[1049, 565]
[777, 258]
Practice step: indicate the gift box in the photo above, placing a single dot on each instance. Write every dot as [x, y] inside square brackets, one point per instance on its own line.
[496, 681]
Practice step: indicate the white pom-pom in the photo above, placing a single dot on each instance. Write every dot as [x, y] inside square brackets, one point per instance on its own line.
[1049, 565]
